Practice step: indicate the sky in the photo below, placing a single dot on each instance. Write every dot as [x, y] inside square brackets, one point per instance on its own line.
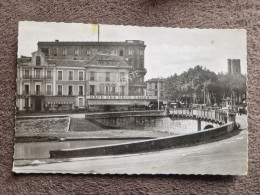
[168, 50]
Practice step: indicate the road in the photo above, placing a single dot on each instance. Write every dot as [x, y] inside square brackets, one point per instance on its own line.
[223, 157]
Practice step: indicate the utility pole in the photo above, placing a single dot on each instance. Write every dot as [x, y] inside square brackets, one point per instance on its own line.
[204, 93]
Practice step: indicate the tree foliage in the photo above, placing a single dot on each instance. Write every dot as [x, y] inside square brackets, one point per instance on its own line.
[192, 83]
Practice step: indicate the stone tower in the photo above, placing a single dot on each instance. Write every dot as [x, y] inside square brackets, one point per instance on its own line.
[234, 66]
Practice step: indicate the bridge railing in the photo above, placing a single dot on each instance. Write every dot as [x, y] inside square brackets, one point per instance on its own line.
[202, 113]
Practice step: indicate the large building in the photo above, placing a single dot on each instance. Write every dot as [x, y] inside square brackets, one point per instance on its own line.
[70, 75]
[131, 51]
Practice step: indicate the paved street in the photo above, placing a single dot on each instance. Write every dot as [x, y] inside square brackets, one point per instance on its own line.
[227, 156]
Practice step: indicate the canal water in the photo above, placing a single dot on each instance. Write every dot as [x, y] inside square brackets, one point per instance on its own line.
[40, 150]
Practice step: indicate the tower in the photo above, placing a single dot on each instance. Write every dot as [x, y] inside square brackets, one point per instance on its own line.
[234, 66]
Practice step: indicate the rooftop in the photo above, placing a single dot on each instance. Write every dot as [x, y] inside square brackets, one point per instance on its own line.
[107, 60]
[89, 43]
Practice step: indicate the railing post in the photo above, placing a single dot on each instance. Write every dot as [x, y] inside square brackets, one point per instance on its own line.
[199, 124]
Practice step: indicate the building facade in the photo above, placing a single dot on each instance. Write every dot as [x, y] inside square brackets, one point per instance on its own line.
[156, 87]
[131, 51]
[70, 75]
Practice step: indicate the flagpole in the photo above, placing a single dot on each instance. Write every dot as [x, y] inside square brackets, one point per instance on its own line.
[98, 32]
[158, 94]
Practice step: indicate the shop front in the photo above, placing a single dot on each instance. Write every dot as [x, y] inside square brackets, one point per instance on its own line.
[59, 103]
[118, 103]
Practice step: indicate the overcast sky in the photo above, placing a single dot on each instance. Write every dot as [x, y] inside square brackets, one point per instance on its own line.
[168, 50]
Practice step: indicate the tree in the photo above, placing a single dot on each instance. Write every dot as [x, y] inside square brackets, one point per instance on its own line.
[189, 84]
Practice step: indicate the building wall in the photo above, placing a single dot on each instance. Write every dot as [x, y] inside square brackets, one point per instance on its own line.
[152, 88]
[131, 51]
[100, 81]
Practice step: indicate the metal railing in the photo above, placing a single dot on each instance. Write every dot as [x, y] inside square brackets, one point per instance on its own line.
[219, 115]
[37, 93]
[35, 77]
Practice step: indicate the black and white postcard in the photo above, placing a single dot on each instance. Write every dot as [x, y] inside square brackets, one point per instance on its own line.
[114, 99]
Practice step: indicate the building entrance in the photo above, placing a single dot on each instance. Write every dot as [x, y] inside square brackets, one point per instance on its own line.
[38, 104]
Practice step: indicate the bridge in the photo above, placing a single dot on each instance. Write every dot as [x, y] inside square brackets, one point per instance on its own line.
[215, 116]
[130, 119]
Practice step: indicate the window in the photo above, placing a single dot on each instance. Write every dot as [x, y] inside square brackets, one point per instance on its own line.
[92, 76]
[122, 90]
[70, 75]
[45, 51]
[26, 103]
[107, 90]
[38, 60]
[64, 52]
[48, 74]
[141, 52]
[38, 74]
[76, 52]
[81, 102]
[81, 76]
[60, 75]
[155, 86]
[48, 89]
[121, 53]
[70, 92]
[107, 76]
[59, 89]
[101, 89]
[113, 90]
[88, 52]
[26, 89]
[130, 52]
[92, 89]
[80, 90]
[38, 89]
[26, 74]
[55, 52]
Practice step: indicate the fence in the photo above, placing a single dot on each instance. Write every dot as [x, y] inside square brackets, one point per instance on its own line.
[204, 113]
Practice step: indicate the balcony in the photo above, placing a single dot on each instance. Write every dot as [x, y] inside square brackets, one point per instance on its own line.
[48, 77]
[36, 77]
[109, 94]
[37, 93]
[26, 93]
[48, 93]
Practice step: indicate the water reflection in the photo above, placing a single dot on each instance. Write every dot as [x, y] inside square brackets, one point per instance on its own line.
[40, 150]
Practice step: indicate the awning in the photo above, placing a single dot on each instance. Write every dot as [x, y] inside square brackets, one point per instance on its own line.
[119, 102]
[59, 100]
